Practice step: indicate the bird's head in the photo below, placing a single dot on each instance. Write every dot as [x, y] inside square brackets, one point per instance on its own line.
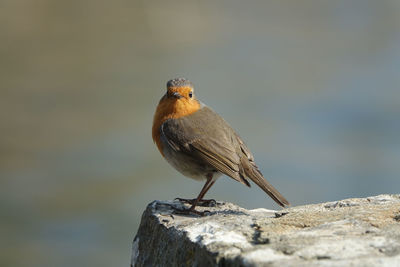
[179, 100]
[180, 89]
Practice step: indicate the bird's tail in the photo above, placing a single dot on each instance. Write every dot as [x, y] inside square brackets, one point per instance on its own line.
[251, 171]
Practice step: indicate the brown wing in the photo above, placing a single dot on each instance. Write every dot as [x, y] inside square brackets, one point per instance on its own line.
[195, 136]
[216, 155]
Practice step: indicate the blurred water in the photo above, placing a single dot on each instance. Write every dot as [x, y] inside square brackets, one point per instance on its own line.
[311, 86]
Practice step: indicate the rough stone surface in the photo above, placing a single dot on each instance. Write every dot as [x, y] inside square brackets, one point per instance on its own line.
[351, 232]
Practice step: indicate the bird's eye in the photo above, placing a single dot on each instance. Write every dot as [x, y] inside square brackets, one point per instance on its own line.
[190, 94]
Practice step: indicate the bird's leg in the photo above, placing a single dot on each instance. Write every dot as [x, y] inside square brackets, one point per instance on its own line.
[201, 202]
[203, 191]
[207, 202]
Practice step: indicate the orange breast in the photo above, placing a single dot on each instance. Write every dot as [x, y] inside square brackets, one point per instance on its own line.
[171, 108]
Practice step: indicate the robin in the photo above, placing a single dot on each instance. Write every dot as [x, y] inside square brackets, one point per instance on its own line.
[201, 145]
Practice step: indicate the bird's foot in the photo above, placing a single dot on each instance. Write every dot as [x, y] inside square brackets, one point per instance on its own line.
[190, 211]
[201, 203]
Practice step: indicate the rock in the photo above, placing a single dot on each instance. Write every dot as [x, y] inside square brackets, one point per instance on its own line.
[351, 232]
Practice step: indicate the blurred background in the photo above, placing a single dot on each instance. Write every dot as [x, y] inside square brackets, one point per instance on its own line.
[313, 87]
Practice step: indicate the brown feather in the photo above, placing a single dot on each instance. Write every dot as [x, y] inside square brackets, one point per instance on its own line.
[251, 171]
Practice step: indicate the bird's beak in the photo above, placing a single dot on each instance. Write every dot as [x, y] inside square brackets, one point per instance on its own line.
[177, 95]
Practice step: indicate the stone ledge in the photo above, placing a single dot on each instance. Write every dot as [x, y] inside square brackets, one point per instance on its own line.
[351, 232]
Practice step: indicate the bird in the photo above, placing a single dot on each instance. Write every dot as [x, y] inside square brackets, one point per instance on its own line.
[201, 145]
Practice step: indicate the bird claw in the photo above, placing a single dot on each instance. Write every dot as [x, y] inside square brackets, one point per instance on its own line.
[201, 203]
[190, 212]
